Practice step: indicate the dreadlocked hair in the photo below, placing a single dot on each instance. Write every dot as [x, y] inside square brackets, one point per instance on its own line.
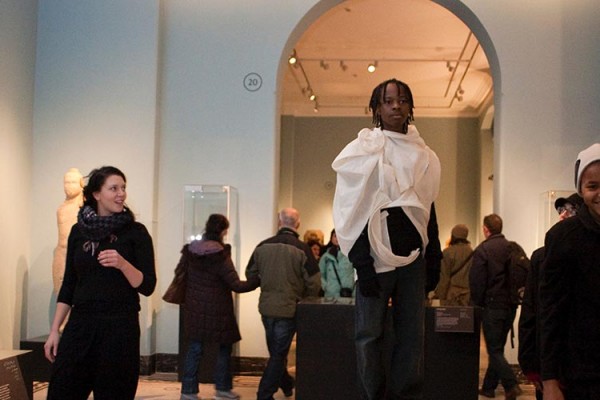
[379, 94]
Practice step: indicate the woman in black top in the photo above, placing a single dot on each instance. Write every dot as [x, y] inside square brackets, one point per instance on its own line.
[110, 260]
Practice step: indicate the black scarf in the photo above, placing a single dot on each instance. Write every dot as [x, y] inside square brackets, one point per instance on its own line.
[95, 228]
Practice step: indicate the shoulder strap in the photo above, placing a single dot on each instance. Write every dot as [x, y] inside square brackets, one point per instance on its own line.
[336, 274]
[462, 265]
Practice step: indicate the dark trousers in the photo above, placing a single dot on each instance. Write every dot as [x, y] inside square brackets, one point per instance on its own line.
[99, 354]
[404, 286]
[279, 333]
[222, 373]
[496, 324]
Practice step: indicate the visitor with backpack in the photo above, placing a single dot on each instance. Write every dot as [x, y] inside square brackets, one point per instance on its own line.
[493, 290]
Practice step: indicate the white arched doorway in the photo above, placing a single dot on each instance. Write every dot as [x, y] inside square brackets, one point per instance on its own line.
[310, 141]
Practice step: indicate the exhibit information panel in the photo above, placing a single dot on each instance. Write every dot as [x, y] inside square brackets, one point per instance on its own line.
[12, 384]
[454, 319]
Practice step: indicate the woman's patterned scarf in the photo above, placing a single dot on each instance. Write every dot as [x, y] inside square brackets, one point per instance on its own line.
[95, 228]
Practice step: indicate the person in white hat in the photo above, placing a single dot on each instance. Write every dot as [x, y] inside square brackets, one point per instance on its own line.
[570, 293]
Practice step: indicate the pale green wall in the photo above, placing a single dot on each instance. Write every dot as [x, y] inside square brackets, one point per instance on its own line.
[160, 94]
[17, 65]
[95, 104]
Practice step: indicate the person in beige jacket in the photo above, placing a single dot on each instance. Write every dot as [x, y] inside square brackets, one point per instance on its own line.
[453, 288]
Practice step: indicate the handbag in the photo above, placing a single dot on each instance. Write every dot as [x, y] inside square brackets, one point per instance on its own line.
[175, 293]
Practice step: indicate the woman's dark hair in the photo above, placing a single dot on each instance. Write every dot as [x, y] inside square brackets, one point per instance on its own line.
[379, 94]
[215, 225]
[95, 180]
[330, 243]
[312, 242]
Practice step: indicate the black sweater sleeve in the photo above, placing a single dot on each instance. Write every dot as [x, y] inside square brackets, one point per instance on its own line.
[360, 257]
[433, 253]
[144, 260]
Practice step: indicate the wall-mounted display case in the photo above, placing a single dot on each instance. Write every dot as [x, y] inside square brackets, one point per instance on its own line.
[200, 201]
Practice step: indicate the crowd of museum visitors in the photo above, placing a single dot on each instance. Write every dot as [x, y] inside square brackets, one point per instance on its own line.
[384, 254]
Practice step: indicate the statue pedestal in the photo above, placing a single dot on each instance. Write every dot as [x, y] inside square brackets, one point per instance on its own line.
[326, 356]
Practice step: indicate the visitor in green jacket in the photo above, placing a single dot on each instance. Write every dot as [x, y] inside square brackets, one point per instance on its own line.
[337, 274]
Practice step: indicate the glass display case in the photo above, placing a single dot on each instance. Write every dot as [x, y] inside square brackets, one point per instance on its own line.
[548, 215]
[200, 201]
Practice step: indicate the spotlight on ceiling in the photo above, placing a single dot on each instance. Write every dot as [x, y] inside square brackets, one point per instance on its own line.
[343, 65]
[293, 58]
[372, 67]
[324, 65]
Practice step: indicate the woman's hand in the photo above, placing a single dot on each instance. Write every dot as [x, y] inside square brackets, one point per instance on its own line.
[51, 346]
[111, 258]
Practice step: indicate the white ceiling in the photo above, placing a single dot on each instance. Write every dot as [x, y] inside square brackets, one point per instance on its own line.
[416, 41]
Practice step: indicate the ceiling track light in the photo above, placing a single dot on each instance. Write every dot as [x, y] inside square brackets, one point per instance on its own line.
[298, 69]
[458, 97]
[293, 58]
[324, 65]
[461, 90]
[372, 67]
[343, 65]
[449, 66]
[316, 107]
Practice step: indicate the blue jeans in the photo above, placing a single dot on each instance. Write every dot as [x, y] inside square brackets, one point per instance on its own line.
[223, 378]
[279, 333]
[496, 323]
[404, 286]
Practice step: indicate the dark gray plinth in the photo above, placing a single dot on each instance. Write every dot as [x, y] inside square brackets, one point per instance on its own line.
[326, 357]
[40, 366]
[16, 382]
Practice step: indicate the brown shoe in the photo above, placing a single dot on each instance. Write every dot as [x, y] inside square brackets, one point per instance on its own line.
[513, 393]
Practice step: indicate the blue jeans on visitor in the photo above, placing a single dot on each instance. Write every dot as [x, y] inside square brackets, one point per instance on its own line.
[223, 378]
[496, 324]
[279, 333]
[404, 286]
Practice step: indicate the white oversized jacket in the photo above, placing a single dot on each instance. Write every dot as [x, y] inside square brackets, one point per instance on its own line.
[383, 169]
